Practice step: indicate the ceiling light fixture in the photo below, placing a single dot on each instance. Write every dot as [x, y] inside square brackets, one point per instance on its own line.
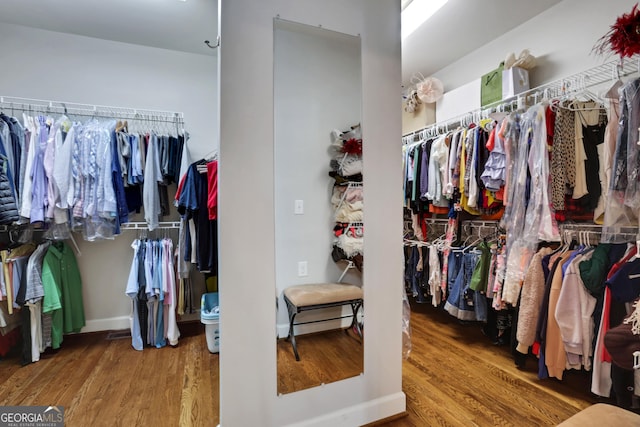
[417, 12]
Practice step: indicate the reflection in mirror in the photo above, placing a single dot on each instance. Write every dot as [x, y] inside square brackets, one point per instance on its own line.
[319, 205]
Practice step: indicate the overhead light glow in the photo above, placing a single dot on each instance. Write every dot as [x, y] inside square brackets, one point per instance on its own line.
[417, 13]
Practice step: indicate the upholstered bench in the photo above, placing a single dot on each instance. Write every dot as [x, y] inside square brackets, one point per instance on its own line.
[601, 414]
[301, 298]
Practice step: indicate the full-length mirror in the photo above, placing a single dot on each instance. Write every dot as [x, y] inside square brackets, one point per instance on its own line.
[319, 222]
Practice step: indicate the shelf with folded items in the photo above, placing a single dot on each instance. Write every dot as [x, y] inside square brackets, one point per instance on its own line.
[346, 197]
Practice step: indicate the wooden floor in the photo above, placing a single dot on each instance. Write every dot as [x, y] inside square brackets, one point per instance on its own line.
[103, 382]
[454, 377]
[324, 358]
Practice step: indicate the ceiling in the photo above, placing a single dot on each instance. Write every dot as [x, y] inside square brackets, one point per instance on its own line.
[458, 28]
[169, 24]
[461, 26]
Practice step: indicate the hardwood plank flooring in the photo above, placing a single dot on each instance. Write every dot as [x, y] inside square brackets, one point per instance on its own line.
[454, 377]
[324, 358]
[103, 382]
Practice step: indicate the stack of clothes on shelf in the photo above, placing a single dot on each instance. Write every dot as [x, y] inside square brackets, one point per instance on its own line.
[346, 199]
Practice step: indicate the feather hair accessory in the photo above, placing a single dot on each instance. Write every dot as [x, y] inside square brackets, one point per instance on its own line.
[623, 38]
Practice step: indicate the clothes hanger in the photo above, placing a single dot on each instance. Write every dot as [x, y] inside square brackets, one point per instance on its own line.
[587, 97]
[565, 243]
[613, 91]
[472, 246]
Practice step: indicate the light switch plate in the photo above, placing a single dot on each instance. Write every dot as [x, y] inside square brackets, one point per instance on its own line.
[302, 269]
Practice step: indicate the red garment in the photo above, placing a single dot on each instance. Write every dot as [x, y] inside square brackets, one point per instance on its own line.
[606, 308]
[550, 119]
[180, 186]
[212, 188]
[423, 225]
[491, 143]
[8, 341]
[438, 210]
[535, 348]
[561, 216]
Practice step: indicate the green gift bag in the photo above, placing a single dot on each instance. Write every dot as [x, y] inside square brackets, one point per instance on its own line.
[491, 89]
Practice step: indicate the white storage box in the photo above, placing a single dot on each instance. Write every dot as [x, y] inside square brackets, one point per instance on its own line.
[212, 330]
[209, 316]
[514, 81]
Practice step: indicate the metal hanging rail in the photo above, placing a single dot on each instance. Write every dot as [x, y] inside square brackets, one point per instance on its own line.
[569, 231]
[126, 226]
[565, 86]
[87, 110]
[144, 226]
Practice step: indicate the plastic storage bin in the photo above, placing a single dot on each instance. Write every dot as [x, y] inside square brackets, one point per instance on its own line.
[210, 317]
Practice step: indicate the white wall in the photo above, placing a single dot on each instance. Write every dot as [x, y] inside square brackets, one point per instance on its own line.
[561, 38]
[248, 384]
[63, 67]
[317, 82]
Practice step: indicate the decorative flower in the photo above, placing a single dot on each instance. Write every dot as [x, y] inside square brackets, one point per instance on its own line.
[352, 146]
[624, 36]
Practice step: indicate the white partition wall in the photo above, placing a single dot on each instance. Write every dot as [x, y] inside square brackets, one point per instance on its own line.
[246, 217]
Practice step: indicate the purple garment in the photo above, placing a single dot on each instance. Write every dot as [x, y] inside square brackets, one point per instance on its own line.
[39, 187]
[424, 169]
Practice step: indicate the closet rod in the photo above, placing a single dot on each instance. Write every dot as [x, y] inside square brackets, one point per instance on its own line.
[567, 85]
[443, 221]
[30, 104]
[481, 223]
[144, 226]
[592, 227]
[410, 242]
[125, 226]
[627, 232]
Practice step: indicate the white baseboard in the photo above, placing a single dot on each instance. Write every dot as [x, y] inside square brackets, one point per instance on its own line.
[122, 322]
[109, 324]
[360, 414]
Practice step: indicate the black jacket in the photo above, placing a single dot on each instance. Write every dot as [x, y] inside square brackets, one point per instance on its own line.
[8, 208]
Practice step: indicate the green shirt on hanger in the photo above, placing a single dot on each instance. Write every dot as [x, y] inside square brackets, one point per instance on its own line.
[62, 292]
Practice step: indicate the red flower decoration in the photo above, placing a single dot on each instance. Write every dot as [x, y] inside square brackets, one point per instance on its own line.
[352, 146]
[624, 36]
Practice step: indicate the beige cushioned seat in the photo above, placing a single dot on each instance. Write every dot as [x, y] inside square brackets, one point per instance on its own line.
[600, 415]
[321, 293]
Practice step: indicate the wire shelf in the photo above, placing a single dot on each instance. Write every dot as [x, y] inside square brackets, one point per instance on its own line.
[87, 110]
[574, 83]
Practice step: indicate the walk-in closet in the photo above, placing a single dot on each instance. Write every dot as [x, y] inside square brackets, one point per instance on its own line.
[185, 187]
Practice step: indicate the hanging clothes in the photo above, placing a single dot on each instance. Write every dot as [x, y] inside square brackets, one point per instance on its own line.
[82, 176]
[62, 291]
[152, 288]
[623, 196]
[191, 199]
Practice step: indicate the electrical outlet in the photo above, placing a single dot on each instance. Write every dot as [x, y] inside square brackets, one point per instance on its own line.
[298, 208]
[302, 269]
